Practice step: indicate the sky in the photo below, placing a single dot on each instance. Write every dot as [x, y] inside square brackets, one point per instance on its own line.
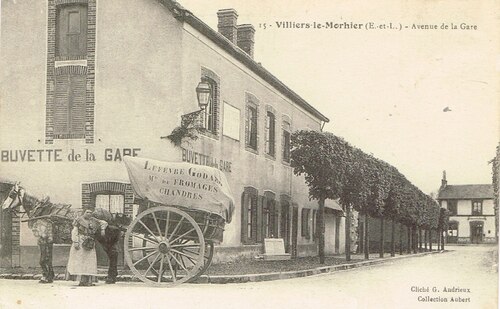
[384, 91]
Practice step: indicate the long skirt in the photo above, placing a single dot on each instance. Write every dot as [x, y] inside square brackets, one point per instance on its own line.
[82, 262]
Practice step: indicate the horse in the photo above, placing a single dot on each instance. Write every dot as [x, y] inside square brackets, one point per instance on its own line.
[44, 217]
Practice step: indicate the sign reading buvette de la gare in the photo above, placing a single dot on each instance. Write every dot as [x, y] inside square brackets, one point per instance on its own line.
[68, 155]
[191, 156]
[183, 184]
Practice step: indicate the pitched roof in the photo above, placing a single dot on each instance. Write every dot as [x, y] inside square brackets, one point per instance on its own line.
[182, 14]
[466, 192]
[333, 205]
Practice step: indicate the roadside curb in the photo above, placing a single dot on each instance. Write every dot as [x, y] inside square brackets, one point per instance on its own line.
[224, 279]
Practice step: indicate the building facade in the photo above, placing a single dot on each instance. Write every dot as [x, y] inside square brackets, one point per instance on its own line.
[93, 81]
[471, 211]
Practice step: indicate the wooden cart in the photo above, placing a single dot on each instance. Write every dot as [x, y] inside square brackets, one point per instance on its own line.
[182, 214]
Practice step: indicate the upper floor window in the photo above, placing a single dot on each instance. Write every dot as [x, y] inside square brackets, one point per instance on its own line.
[452, 207]
[286, 141]
[477, 208]
[270, 134]
[251, 127]
[71, 30]
[210, 112]
[69, 106]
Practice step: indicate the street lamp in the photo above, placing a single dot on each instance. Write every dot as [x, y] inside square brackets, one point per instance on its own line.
[188, 121]
[203, 93]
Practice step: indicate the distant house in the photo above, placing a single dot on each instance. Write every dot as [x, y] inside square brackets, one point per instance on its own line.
[472, 214]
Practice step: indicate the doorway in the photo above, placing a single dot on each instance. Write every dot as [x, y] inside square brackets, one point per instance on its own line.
[476, 232]
[285, 224]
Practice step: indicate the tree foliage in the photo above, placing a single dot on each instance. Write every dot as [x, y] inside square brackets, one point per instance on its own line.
[335, 169]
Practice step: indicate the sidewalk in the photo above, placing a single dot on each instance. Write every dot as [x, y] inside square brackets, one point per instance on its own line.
[244, 270]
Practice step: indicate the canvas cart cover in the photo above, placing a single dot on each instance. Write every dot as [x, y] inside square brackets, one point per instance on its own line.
[181, 184]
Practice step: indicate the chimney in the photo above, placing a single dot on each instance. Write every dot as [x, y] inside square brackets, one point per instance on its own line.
[227, 24]
[444, 183]
[246, 40]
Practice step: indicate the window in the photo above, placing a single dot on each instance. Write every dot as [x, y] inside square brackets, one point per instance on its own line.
[270, 134]
[249, 226]
[477, 208]
[305, 223]
[69, 106]
[114, 203]
[251, 127]
[286, 142]
[452, 207]
[269, 217]
[210, 113]
[71, 31]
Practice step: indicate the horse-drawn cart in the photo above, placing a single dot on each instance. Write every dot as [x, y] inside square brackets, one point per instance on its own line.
[182, 212]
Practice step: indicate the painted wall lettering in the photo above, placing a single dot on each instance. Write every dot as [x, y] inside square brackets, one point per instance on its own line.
[69, 155]
[194, 157]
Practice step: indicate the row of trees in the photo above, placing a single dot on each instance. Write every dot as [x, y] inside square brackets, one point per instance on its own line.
[333, 169]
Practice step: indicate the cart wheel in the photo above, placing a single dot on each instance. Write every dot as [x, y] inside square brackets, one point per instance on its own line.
[174, 250]
[207, 258]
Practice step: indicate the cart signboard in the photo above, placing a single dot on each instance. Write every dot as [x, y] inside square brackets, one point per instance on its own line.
[181, 184]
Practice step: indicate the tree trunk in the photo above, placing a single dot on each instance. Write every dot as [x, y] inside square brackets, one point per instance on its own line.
[439, 238]
[393, 243]
[367, 238]
[430, 240]
[348, 232]
[321, 226]
[408, 240]
[419, 236]
[442, 240]
[361, 237]
[400, 239]
[415, 243]
[426, 239]
[381, 250]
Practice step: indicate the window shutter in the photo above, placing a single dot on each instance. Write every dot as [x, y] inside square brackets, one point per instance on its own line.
[267, 136]
[254, 218]
[61, 105]
[272, 214]
[303, 222]
[245, 203]
[307, 219]
[77, 105]
[260, 220]
[272, 135]
[314, 224]
[276, 219]
[247, 124]
[253, 128]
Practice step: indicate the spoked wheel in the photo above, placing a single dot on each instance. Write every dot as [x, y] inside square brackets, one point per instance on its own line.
[164, 246]
[207, 259]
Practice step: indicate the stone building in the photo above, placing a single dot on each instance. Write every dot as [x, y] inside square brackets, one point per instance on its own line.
[85, 82]
[471, 210]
